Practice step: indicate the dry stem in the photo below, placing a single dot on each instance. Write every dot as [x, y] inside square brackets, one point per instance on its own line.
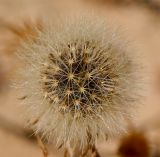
[65, 152]
[95, 152]
[42, 147]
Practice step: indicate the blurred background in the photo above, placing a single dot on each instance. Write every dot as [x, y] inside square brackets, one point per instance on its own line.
[140, 20]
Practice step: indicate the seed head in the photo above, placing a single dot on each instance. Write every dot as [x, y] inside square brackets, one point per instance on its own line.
[80, 81]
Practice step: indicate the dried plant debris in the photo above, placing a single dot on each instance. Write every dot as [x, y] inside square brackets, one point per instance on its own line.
[15, 129]
[156, 153]
[26, 29]
[136, 144]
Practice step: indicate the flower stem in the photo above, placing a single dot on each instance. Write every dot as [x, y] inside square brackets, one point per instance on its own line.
[42, 147]
[95, 152]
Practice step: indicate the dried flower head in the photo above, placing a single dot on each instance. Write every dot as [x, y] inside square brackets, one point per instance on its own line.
[80, 81]
[136, 144]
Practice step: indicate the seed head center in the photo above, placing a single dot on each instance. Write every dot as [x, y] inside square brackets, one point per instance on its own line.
[82, 89]
[77, 79]
[70, 76]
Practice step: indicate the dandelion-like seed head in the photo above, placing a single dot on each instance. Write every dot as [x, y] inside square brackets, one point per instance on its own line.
[78, 78]
[81, 81]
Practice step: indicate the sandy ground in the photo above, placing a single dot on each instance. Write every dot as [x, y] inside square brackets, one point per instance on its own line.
[139, 24]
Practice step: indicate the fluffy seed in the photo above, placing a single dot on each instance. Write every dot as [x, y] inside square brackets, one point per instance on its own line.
[81, 81]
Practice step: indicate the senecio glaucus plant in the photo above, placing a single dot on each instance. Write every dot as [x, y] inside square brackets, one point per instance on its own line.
[80, 81]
